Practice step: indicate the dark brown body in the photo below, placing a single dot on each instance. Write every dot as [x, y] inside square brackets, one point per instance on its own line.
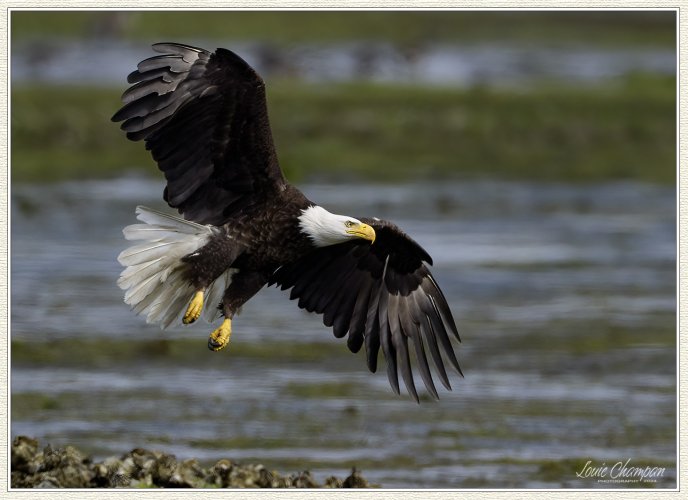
[255, 243]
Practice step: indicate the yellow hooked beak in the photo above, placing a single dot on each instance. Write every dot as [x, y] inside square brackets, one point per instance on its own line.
[362, 231]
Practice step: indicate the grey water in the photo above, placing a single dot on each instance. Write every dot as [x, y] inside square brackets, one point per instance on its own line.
[103, 62]
[565, 297]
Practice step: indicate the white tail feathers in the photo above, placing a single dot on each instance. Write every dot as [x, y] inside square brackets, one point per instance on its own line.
[154, 278]
[214, 293]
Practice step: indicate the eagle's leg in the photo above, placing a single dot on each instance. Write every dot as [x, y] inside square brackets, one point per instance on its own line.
[245, 284]
[193, 312]
[205, 265]
[220, 336]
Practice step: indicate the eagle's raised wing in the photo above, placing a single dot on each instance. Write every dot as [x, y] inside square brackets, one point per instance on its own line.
[204, 118]
[383, 295]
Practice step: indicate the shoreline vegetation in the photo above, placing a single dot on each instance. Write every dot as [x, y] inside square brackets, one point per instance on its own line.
[67, 467]
[621, 130]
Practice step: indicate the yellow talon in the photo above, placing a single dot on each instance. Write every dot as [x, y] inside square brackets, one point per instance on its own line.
[220, 337]
[193, 312]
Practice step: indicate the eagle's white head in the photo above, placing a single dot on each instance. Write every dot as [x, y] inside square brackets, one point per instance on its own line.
[325, 228]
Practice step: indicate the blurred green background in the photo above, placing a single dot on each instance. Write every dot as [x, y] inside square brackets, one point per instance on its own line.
[551, 129]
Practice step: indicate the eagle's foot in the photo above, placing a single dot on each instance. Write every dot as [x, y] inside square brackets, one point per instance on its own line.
[193, 312]
[220, 337]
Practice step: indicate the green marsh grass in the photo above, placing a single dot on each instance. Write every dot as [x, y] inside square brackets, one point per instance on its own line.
[623, 130]
[411, 28]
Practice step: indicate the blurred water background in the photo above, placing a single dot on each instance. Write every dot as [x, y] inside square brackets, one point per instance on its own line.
[563, 283]
[499, 64]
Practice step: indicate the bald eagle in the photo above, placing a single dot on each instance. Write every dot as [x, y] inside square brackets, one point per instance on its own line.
[203, 116]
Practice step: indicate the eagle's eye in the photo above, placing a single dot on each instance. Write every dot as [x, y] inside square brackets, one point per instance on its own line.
[348, 223]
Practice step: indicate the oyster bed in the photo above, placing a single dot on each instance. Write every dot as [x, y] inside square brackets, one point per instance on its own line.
[68, 468]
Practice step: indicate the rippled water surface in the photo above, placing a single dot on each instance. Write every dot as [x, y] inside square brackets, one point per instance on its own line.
[446, 64]
[564, 296]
